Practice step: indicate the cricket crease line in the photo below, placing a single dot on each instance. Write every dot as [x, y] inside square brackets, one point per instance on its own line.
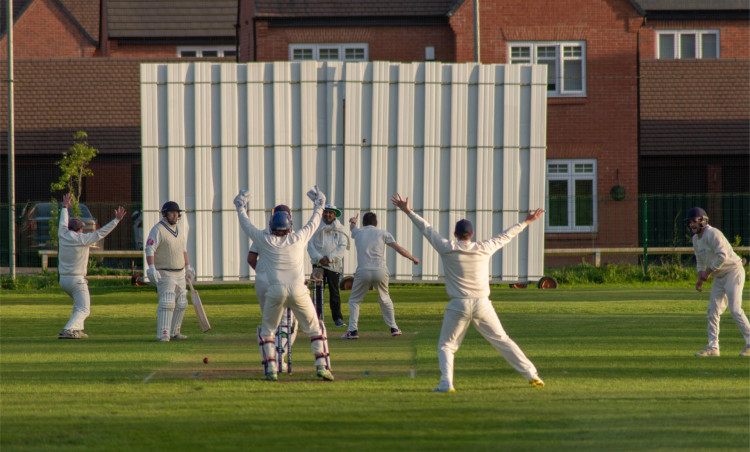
[145, 380]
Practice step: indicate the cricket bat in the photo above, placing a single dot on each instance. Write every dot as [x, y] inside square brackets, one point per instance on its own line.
[199, 311]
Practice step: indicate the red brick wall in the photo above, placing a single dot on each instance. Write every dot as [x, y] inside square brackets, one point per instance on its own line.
[604, 124]
[45, 31]
[734, 36]
[385, 43]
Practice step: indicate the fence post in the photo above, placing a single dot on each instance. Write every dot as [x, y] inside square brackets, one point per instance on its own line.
[645, 234]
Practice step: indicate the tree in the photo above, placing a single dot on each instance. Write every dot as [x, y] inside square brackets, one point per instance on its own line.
[74, 166]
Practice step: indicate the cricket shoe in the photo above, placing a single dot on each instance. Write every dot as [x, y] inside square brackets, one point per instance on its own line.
[324, 373]
[339, 322]
[709, 352]
[536, 382]
[350, 335]
[271, 375]
[164, 339]
[746, 351]
[179, 337]
[443, 388]
[72, 334]
[395, 332]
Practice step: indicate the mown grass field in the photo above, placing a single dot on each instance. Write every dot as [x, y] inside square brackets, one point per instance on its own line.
[618, 363]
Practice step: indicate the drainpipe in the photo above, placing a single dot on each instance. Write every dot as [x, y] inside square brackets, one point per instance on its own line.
[477, 44]
[103, 29]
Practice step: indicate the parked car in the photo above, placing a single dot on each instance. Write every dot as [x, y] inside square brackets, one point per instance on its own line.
[34, 225]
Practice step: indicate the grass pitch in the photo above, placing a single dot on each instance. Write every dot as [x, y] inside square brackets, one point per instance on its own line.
[618, 364]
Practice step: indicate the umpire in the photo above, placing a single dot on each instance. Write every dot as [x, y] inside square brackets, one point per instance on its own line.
[326, 250]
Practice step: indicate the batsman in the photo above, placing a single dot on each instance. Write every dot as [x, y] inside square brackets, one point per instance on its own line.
[285, 270]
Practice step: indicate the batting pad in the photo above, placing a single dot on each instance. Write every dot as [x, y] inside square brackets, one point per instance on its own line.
[164, 314]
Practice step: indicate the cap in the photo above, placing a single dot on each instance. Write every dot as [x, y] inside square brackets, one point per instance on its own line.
[334, 209]
[464, 227]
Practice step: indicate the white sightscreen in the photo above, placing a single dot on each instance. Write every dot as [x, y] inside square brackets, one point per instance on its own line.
[460, 140]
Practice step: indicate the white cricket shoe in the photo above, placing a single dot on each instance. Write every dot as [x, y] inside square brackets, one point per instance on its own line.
[271, 375]
[746, 351]
[324, 373]
[709, 352]
[179, 337]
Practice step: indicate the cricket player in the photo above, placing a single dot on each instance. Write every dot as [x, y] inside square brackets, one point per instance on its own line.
[715, 257]
[169, 269]
[326, 250]
[285, 270]
[372, 271]
[73, 263]
[288, 324]
[466, 265]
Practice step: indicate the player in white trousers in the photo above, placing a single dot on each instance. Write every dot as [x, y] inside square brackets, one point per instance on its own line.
[715, 257]
[168, 269]
[287, 325]
[372, 271]
[285, 269]
[466, 265]
[73, 262]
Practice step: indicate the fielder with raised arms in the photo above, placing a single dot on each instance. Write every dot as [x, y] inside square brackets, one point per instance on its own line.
[73, 262]
[168, 269]
[467, 282]
[285, 270]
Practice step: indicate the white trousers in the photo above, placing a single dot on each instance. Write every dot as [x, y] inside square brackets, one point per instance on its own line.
[459, 313]
[172, 303]
[727, 291]
[261, 286]
[297, 298]
[363, 279]
[78, 288]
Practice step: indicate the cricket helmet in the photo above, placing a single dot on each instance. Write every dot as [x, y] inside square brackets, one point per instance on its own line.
[697, 213]
[170, 206]
[281, 221]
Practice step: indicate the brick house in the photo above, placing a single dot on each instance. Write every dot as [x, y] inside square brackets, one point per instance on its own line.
[694, 62]
[590, 47]
[617, 107]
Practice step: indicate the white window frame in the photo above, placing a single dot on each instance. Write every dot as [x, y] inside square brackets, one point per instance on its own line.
[575, 170]
[341, 48]
[677, 39]
[200, 49]
[559, 57]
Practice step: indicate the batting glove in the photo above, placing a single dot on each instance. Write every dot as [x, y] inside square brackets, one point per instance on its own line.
[189, 273]
[153, 274]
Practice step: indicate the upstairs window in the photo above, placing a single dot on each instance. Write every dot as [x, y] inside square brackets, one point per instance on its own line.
[328, 52]
[206, 51]
[565, 61]
[571, 196]
[686, 44]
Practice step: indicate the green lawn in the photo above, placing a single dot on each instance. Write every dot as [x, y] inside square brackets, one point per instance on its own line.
[618, 363]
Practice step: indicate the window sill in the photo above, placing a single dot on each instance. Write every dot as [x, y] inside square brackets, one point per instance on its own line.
[567, 100]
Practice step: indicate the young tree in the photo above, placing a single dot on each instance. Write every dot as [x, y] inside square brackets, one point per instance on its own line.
[74, 166]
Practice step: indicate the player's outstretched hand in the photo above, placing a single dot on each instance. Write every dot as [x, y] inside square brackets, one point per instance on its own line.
[415, 260]
[533, 216]
[67, 200]
[241, 200]
[313, 193]
[401, 203]
[120, 213]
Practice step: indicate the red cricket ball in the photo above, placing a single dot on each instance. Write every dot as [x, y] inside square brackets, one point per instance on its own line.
[205, 360]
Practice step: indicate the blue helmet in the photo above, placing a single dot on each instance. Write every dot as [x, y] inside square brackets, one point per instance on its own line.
[696, 213]
[170, 206]
[281, 221]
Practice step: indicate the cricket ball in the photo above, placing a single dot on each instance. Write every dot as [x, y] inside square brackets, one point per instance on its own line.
[205, 360]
